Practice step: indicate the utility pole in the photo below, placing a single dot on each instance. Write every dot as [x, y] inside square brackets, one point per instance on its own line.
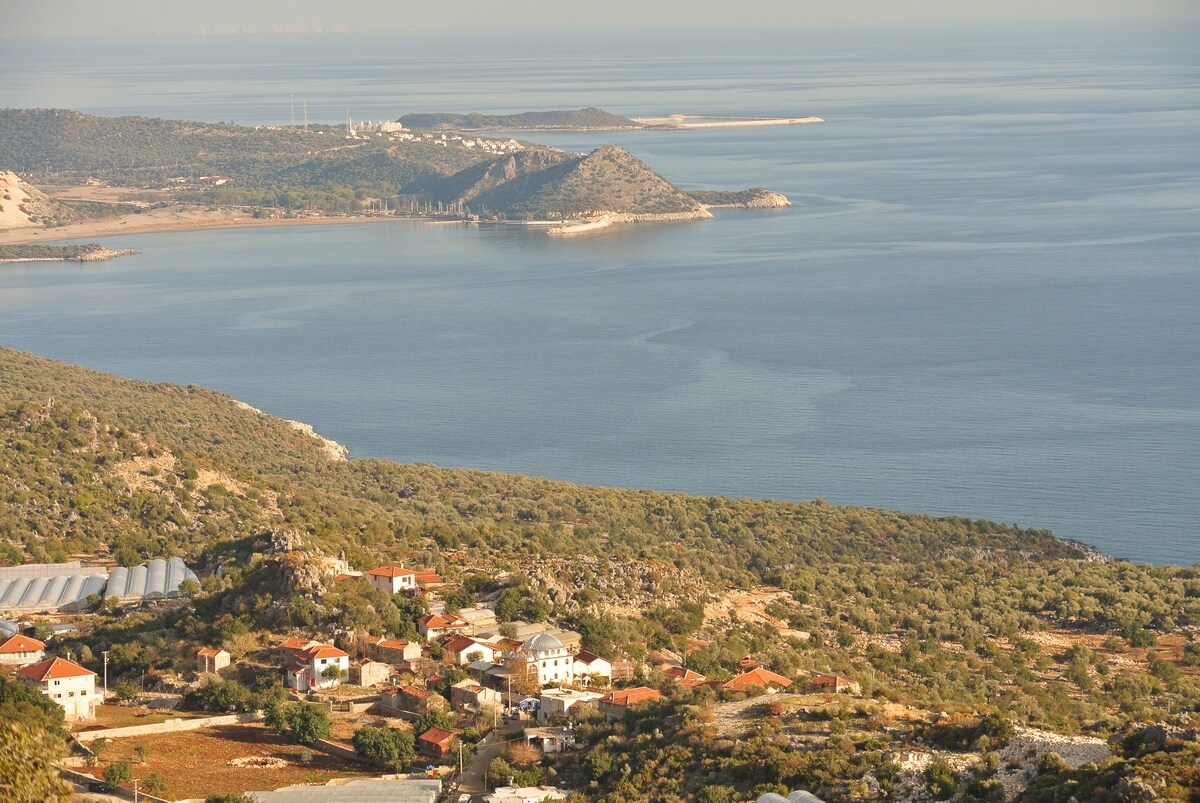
[293, 97]
[135, 790]
[105, 653]
[306, 117]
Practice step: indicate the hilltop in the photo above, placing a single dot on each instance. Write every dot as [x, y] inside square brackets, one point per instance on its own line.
[609, 179]
[577, 119]
[279, 171]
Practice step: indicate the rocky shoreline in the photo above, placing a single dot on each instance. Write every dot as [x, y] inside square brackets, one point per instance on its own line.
[49, 253]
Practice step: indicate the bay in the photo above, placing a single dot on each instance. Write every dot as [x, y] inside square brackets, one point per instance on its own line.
[983, 302]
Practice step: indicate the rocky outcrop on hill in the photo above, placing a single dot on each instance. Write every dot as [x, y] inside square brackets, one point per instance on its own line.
[607, 180]
[22, 205]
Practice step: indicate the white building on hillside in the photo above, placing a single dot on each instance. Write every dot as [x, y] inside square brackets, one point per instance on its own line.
[313, 668]
[393, 579]
[554, 662]
[66, 683]
[21, 650]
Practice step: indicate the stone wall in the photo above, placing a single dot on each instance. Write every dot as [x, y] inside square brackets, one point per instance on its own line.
[170, 726]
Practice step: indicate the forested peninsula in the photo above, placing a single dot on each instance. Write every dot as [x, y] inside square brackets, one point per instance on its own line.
[94, 166]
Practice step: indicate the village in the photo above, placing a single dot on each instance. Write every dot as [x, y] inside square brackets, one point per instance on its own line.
[484, 704]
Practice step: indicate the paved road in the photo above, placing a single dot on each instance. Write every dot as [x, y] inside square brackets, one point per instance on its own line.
[491, 747]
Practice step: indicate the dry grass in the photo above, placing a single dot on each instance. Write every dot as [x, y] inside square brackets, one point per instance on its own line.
[196, 763]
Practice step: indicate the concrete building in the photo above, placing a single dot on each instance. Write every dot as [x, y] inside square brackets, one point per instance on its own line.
[615, 704]
[469, 695]
[395, 651]
[362, 791]
[413, 701]
[66, 683]
[463, 650]
[550, 740]
[557, 703]
[524, 794]
[365, 672]
[211, 659]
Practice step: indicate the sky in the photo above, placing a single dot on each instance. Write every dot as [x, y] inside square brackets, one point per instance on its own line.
[23, 18]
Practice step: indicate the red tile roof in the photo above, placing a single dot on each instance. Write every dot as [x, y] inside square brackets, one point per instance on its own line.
[835, 681]
[392, 644]
[208, 652]
[585, 657]
[428, 578]
[391, 571]
[437, 736]
[460, 644]
[296, 643]
[628, 697]
[19, 643]
[323, 651]
[756, 677]
[437, 622]
[53, 669]
[684, 676]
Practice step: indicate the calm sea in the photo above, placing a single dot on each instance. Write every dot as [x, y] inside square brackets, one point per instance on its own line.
[985, 301]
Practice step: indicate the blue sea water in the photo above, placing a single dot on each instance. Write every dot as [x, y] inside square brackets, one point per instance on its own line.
[984, 301]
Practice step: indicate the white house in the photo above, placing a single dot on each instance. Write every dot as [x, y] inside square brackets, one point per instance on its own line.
[312, 668]
[66, 683]
[433, 626]
[588, 665]
[21, 650]
[393, 579]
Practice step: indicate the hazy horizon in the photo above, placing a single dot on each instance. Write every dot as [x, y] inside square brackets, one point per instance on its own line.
[145, 17]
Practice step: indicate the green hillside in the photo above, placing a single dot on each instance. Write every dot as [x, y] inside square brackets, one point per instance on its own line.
[575, 119]
[993, 624]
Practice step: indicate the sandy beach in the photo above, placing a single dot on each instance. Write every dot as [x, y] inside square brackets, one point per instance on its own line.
[172, 218]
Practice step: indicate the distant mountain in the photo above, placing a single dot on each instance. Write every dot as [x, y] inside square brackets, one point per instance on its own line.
[577, 118]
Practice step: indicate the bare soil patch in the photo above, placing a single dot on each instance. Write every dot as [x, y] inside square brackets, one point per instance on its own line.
[198, 763]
